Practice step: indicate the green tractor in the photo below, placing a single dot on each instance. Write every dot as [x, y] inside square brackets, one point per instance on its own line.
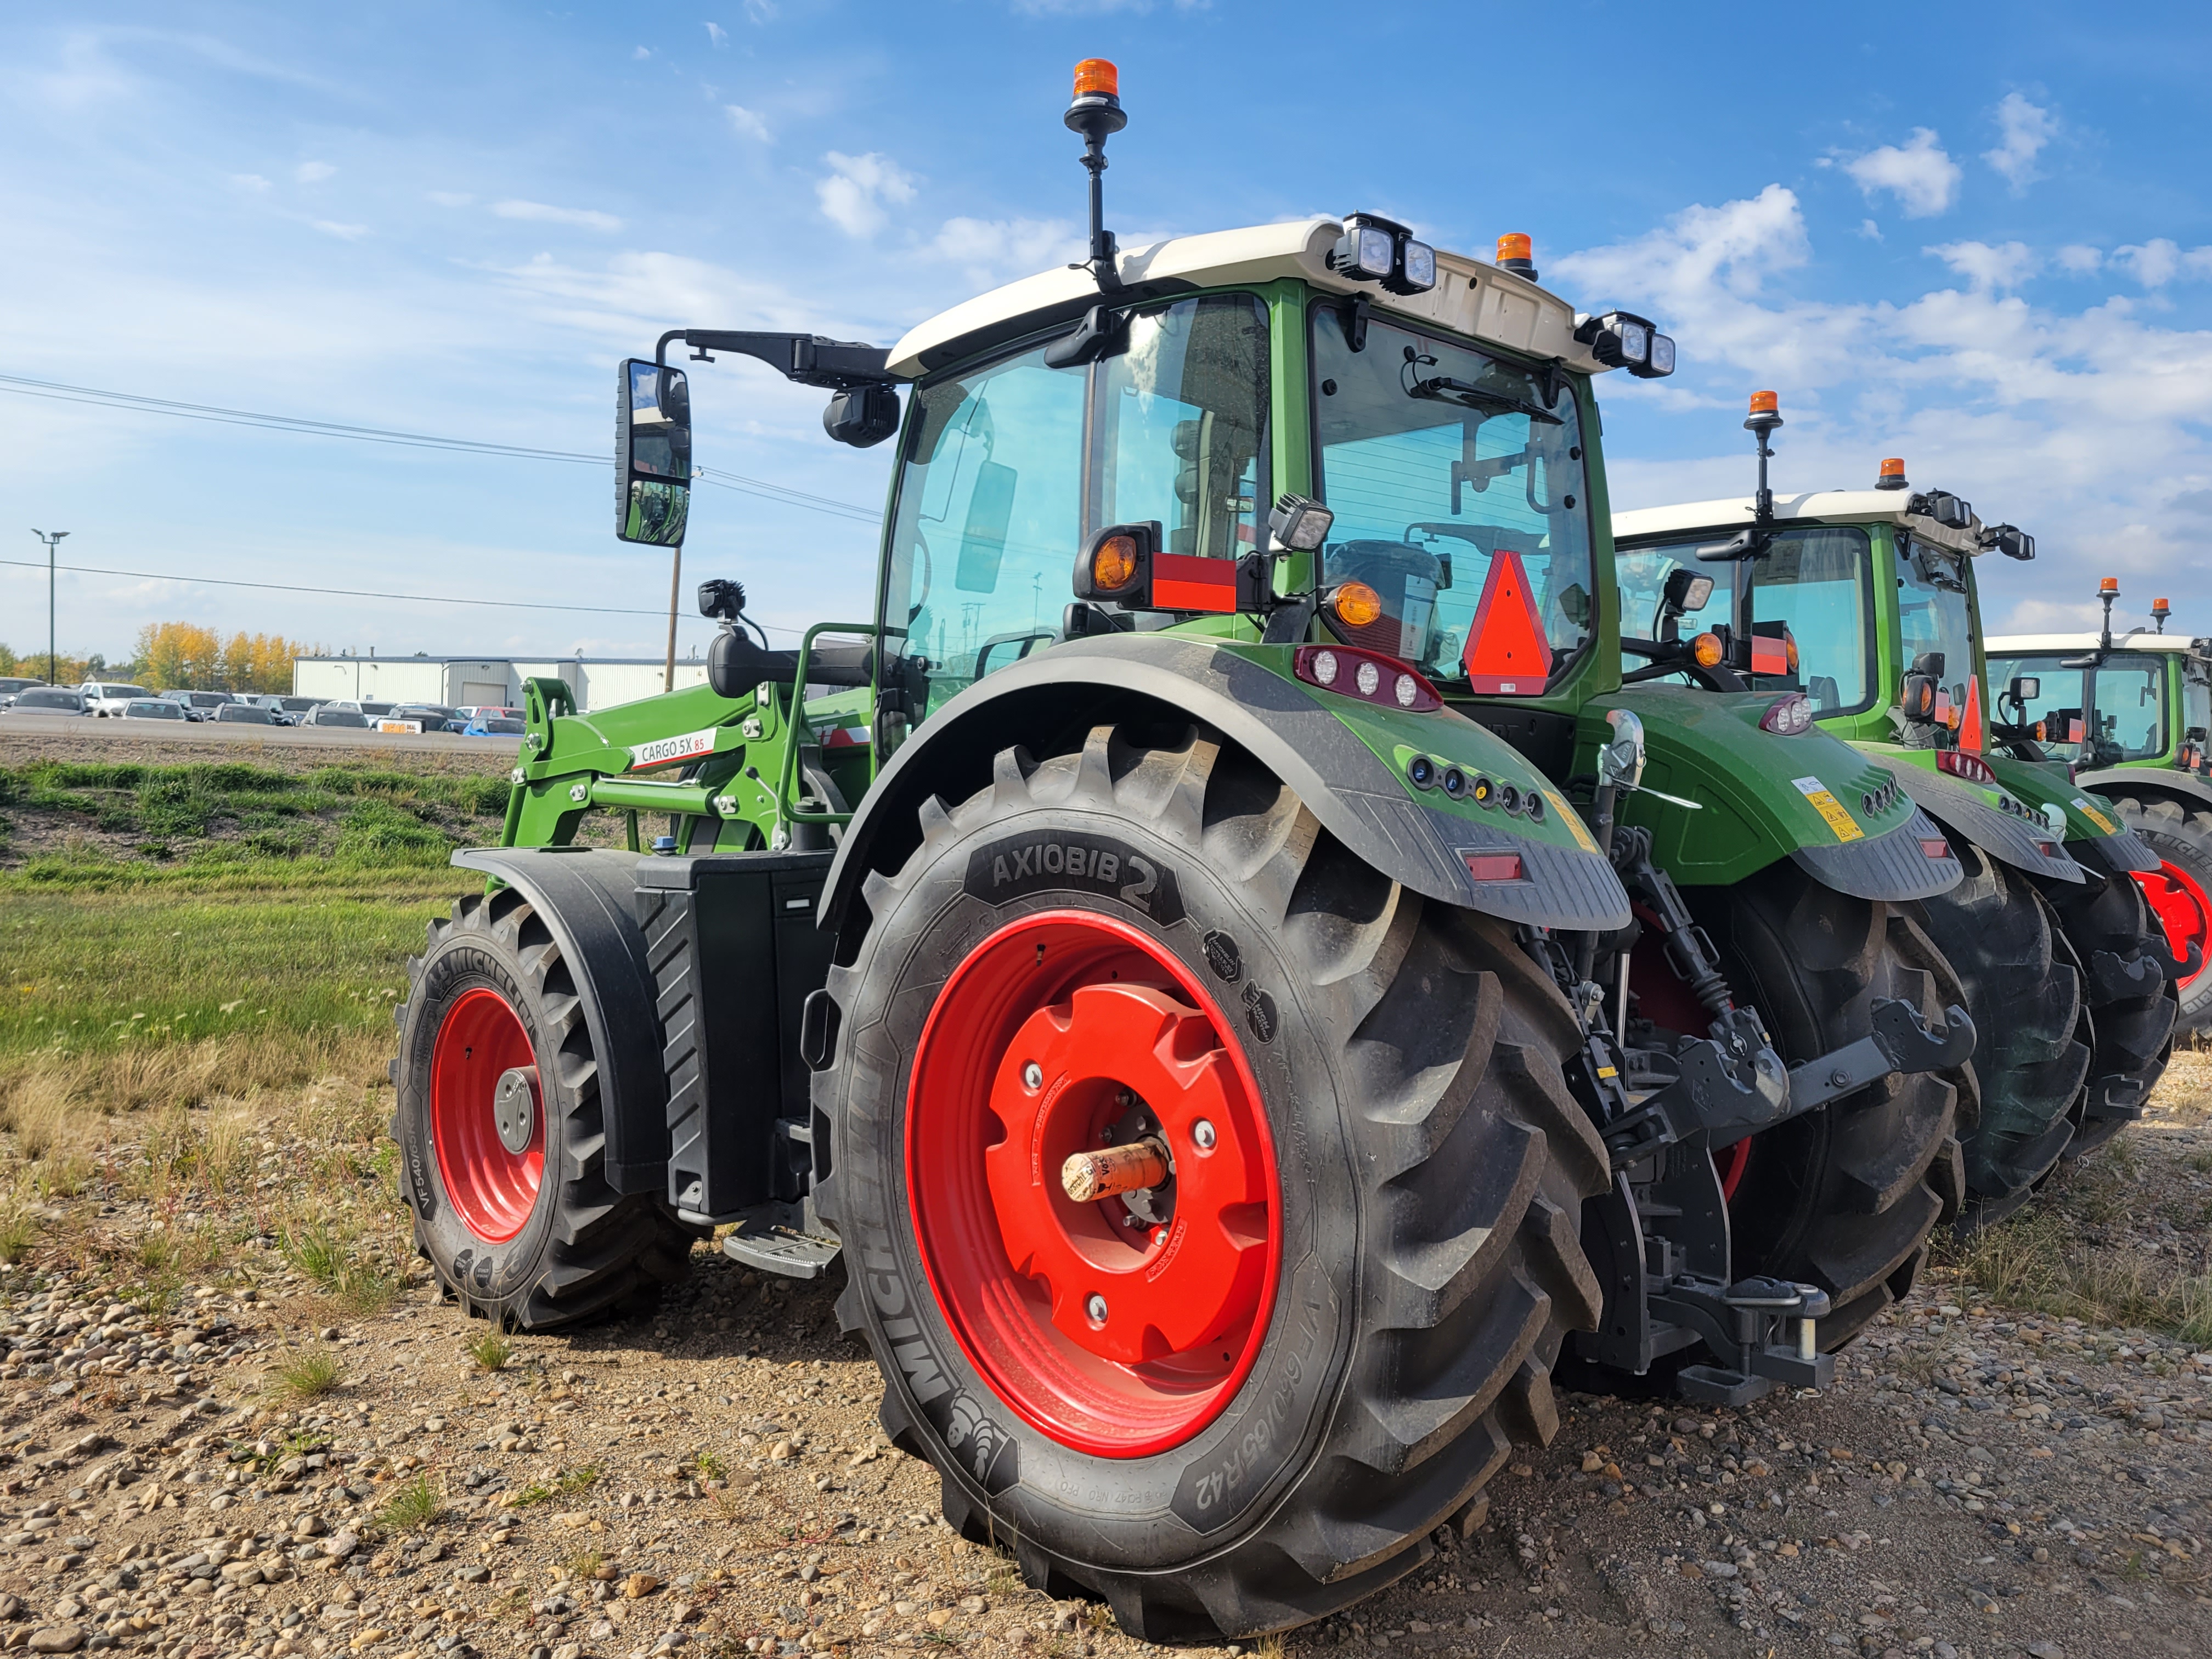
[2067, 972]
[2130, 717]
[1217, 960]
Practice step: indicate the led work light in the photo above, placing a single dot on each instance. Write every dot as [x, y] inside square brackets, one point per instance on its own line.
[1621, 339]
[1374, 249]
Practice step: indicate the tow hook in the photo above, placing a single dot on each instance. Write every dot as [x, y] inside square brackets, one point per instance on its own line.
[1769, 1326]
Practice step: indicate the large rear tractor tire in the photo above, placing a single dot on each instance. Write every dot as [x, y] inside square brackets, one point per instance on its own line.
[1998, 933]
[1843, 1197]
[2180, 893]
[1246, 1397]
[2108, 926]
[498, 1122]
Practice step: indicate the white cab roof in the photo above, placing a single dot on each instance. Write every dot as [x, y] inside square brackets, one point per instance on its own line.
[1732, 512]
[2136, 640]
[1471, 297]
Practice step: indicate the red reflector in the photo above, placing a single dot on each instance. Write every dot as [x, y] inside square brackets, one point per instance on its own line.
[1769, 656]
[1936, 849]
[1493, 867]
[1181, 582]
[2048, 848]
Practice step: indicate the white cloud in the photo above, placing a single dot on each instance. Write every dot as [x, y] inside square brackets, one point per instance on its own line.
[992, 251]
[453, 198]
[1924, 180]
[2078, 259]
[252, 181]
[2087, 427]
[587, 218]
[2154, 264]
[854, 194]
[717, 35]
[640, 53]
[759, 11]
[1870, 230]
[312, 173]
[2025, 128]
[745, 123]
[349, 232]
[1097, 8]
[1987, 267]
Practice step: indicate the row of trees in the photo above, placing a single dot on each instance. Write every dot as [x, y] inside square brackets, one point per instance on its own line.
[182, 656]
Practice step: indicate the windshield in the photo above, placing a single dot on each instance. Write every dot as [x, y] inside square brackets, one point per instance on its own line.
[1456, 480]
[1008, 467]
[2130, 722]
[1814, 578]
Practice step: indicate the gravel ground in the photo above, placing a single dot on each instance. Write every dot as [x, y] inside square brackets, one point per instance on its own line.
[1979, 1482]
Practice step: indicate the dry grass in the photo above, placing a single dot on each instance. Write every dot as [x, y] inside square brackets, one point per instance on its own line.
[490, 1349]
[307, 1374]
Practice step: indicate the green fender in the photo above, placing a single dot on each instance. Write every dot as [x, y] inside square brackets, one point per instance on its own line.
[1344, 757]
[1761, 797]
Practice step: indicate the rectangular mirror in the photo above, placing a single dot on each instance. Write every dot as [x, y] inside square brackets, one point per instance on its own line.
[652, 453]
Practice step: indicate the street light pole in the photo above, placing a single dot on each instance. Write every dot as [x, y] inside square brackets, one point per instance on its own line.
[50, 541]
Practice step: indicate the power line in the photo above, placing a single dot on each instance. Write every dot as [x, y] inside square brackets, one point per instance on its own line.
[57, 391]
[355, 592]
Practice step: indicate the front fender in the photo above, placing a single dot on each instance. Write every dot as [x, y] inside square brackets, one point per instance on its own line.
[1343, 757]
[1810, 797]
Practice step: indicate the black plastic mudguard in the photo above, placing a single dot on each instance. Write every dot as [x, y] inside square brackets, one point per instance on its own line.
[585, 897]
[2032, 847]
[1048, 701]
[1891, 866]
[2123, 854]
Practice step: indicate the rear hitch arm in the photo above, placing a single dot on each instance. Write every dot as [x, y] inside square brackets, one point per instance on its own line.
[1900, 1041]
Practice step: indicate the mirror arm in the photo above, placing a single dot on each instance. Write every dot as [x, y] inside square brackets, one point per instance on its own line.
[806, 359]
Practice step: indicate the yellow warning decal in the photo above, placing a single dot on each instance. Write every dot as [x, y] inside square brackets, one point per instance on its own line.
[1826, 804]
[1587, 842]
[2095, 816]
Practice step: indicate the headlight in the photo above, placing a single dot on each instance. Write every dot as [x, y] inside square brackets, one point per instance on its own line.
[1662, 354]
[1373, 249]
[1420, 266]
[1635, 342]
[1620, 339]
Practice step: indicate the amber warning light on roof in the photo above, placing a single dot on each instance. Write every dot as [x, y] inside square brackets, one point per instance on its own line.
[1097, 76]
[2109, 585]
[1766, 403]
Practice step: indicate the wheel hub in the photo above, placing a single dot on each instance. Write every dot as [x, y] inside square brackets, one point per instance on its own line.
[1123, 1323]
[514, 1108]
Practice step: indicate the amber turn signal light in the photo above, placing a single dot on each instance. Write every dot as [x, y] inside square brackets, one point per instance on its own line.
[1114, 563]
[1355, 603]
[1705, 649]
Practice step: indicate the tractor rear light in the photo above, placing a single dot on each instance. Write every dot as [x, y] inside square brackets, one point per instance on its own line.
[1788, 716]
[1706, 650]
[1934, 846]
[1972, 768]
[1354, 604]
[1368, 675]
[1790, 649]
[1493, 867]
[2048, 848]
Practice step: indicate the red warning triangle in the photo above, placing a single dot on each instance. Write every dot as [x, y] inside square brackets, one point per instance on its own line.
[1506, 652]
[1970, 728]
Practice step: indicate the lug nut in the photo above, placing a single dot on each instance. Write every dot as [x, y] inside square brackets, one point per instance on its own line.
[1202, 1132]
[1033, 1076]
[1095, 1309]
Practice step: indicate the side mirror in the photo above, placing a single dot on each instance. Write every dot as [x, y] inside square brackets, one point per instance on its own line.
[862, 416]
[652, 453]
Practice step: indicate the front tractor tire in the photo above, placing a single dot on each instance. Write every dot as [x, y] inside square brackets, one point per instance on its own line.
[1844, 1197]
[498, 1122]
[2119, 949]
[1243, 1398]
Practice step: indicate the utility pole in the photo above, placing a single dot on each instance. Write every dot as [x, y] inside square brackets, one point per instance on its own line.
[50, 541]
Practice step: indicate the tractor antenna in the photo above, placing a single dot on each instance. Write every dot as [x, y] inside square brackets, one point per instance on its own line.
[1096, 114]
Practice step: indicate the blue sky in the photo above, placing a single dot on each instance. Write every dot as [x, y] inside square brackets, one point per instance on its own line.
[1975, 236]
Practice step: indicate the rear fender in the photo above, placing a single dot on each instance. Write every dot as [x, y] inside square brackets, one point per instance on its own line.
[1810, 797]
[1343, 757]
[586, 897]
[2141, 780]
[2029, 844]
[2095, 835]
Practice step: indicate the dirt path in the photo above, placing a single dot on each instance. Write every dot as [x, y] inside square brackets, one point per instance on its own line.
[712, 1478]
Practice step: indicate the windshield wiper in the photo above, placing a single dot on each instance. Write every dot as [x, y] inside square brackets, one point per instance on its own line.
[1443, 388]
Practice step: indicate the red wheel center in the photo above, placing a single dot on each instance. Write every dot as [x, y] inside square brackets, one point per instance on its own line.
[2183, 908]
[1120, 1325]
[493, 1186]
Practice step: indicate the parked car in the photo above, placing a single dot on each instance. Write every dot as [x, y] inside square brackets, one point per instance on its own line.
[49, 700]
[285, 711]
[199, 705]
[331, 713]
[154, 708]
[245, 713]
[106, 698]
[495, 723]
[11, 684]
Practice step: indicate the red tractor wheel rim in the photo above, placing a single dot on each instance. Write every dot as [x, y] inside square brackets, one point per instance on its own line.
[492, 1190]
[2184, 909]
[1037, 1047]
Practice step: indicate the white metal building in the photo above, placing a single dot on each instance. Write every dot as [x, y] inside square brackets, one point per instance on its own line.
[454, 682]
